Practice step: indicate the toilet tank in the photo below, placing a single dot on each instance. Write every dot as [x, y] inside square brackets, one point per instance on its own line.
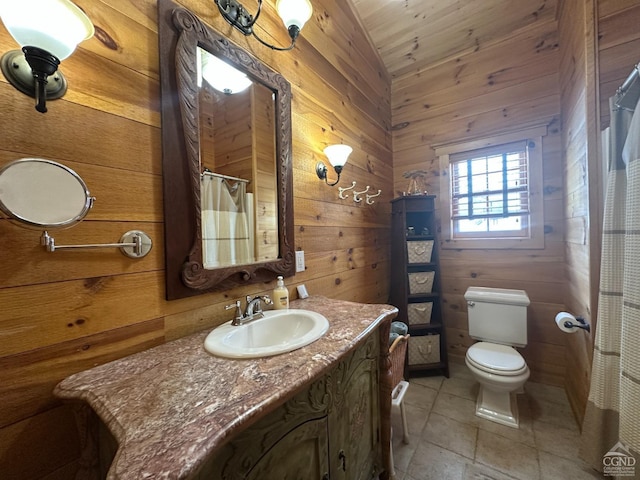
[497, 315]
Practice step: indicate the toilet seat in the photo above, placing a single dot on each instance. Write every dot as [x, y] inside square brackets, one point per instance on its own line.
[496, 359]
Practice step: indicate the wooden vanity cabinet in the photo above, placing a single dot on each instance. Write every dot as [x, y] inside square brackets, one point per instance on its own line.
[329, 431]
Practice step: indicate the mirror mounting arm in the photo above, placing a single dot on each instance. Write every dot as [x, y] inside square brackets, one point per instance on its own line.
[133, 244]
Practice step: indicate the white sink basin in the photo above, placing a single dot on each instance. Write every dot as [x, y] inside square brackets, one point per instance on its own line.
[278, 332]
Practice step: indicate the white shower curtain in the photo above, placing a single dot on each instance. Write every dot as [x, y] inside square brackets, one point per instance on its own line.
[612, 417]
[227, 223]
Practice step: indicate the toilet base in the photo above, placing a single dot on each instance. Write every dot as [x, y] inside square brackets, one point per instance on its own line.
[499, 407]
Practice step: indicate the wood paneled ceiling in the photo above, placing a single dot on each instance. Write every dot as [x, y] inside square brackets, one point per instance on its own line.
[413, 34]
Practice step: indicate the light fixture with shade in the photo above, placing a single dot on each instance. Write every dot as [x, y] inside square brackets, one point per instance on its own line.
[48, 32]
[337, 155]
[223, 77]
[294, 14]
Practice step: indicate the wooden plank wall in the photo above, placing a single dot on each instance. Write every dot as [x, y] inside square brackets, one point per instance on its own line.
[502, 85]
[577, 118]
[68, 311]
[591, 71]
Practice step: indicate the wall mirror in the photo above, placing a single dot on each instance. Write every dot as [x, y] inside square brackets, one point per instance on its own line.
[226, 139]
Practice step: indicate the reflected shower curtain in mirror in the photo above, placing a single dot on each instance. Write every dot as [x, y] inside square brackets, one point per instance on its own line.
[227, 223]
[611, 422]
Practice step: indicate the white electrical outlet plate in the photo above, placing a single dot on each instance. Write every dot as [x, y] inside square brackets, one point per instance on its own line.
[299, 261]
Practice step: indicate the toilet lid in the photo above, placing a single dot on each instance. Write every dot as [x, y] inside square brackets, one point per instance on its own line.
[499, 358]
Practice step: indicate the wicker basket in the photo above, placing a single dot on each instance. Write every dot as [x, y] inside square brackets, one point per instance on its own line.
[421, 282]
[424, 349]
[419, 313]
[419, 252]
[398, 354]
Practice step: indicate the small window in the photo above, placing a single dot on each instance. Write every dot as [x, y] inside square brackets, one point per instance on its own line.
[491, 194]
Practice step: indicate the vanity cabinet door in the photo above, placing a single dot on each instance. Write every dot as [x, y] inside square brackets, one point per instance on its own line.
[261, 453]
[290, 443]
[354, 423]
[301, 455]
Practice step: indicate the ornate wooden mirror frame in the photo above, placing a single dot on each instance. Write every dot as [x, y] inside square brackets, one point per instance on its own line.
[180, 34]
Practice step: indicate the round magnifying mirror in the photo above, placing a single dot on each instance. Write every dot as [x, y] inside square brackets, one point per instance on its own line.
[43, 193]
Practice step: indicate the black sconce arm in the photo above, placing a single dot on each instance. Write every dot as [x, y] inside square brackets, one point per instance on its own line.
[236, 15]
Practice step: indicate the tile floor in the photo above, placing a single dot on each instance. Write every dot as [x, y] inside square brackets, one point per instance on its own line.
[448, 442]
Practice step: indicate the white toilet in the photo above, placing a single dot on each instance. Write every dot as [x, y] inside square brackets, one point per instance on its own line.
[498, 319]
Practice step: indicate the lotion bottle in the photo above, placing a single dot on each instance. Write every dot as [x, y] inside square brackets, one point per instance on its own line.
[280, 295]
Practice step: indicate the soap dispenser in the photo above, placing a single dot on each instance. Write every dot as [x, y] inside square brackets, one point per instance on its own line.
[280, 295]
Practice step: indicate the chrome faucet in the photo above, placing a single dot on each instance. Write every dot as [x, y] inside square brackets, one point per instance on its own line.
[252, 312]
[254, 308]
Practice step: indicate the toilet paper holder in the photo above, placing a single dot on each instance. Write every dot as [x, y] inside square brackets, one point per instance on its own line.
[581, 323]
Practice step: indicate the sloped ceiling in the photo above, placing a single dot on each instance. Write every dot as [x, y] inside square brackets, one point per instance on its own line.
[413, 34]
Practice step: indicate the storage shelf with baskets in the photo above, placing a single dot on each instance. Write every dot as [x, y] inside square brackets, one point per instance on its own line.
[416, 283]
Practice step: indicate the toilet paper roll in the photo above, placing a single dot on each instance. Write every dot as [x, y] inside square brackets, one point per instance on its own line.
[563, 317]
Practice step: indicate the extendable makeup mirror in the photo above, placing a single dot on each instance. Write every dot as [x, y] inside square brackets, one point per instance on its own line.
[41, 193]
[44, 194]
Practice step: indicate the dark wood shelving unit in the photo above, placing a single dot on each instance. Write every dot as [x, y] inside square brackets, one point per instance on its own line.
[416, 283]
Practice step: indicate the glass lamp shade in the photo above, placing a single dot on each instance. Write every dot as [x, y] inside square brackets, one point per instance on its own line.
[57, 26]
[222, 76]
[338, 154]
[294, 12]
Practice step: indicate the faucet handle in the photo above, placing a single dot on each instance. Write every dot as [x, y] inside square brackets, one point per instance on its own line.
[267, 301]
[237, 306]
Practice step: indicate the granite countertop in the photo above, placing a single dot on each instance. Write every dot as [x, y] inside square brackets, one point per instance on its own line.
[172, 406]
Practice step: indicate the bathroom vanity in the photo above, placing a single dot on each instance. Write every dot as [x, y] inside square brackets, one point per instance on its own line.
[176, 411]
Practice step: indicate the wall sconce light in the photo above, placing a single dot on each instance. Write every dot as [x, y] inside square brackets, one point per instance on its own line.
[48, 32]
[220, 75]
[337, 155]
[294, 14]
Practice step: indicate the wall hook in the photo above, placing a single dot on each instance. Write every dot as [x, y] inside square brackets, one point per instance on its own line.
[341, 190]
[356, 195]
[369, 197]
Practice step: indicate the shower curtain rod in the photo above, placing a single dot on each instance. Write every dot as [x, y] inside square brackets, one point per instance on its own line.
[226, 177]
[628, 93]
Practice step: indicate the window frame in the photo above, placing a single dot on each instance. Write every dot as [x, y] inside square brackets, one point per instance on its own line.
[495, 240]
